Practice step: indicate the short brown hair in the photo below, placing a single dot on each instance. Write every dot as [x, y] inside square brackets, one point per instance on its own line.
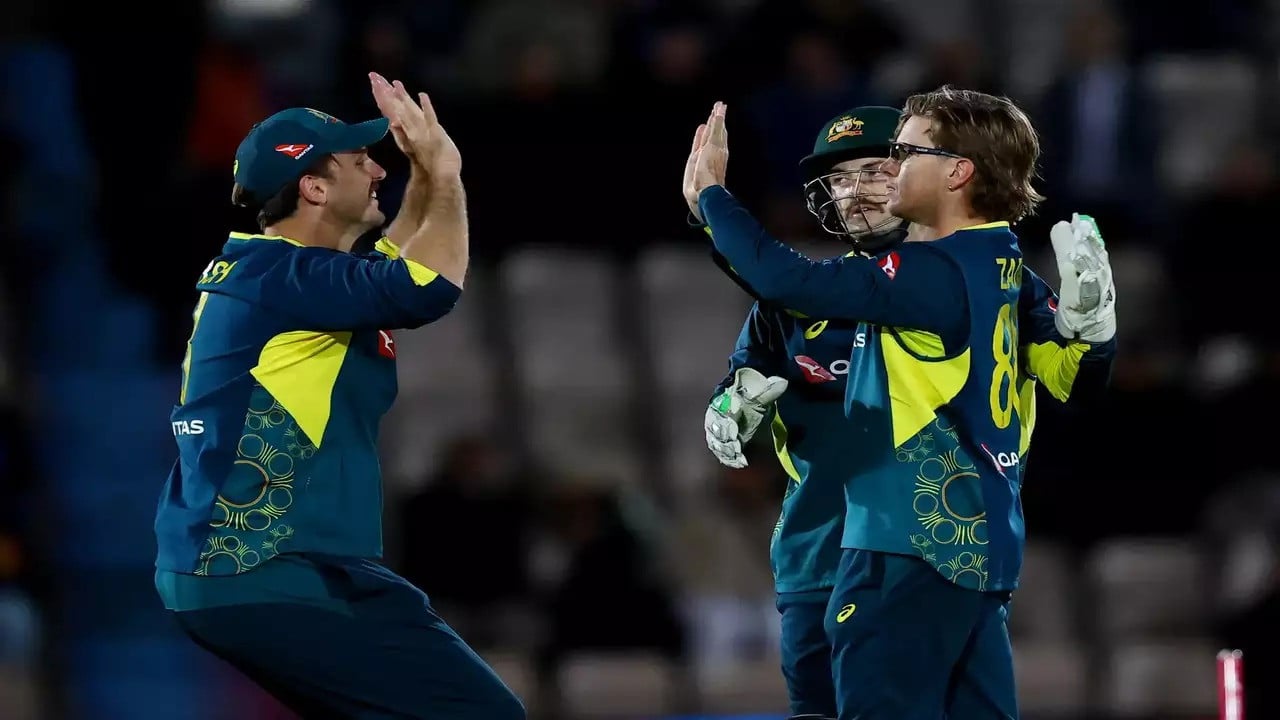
[996, 136]
[285, 202]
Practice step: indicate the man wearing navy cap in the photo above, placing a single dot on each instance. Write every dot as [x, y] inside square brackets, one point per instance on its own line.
[270, 523]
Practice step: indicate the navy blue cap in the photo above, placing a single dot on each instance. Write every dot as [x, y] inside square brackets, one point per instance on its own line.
[280, 149]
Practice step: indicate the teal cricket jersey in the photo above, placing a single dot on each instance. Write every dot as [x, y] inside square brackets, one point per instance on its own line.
[943, 408]
[289, 370]
[810, 436]
[937, 390]
[811, 432]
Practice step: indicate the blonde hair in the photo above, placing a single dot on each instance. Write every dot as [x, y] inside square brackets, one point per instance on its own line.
[996, 136]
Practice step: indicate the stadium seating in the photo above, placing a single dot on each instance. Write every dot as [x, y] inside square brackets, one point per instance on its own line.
[1161, 679]
[690, 317]
[1147, 587]
[450, 379]
[1183, 88]
[570, 344]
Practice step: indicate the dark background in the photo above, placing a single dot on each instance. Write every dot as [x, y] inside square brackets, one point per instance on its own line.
[546, 475]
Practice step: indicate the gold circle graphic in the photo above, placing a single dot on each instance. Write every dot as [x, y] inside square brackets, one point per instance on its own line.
[262, 490]
[946, 505]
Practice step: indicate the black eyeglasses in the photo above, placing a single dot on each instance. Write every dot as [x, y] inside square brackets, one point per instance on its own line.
[900, 151]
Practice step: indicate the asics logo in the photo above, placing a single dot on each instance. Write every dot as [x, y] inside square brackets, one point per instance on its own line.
[845, 612]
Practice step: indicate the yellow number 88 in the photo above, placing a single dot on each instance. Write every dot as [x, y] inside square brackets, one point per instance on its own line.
[1004, 348]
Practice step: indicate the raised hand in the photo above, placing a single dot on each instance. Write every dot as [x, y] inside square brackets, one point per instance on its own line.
[690, 168]
[713, 156]
[416, 129]
[1086, 307]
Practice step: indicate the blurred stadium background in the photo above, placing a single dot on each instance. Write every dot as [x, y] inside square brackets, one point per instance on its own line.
[546, 475]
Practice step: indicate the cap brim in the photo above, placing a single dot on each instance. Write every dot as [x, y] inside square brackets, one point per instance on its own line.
[821, 163]
[360, 135]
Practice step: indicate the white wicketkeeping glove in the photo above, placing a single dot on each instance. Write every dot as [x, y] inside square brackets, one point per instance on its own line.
[735, 414]
[1087, 298]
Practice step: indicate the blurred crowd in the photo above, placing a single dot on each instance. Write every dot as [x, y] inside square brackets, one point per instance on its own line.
[574, 119]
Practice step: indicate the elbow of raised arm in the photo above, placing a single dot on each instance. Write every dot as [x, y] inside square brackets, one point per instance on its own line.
[436, 260]
[1058, 388]
[805, 286]
[1084, 387]
[770, 287]
[799, 300]
[455, 274]
[434, 301]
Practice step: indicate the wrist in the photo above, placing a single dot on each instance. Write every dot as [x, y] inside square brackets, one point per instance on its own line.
[445, 179]
[707, 195]
[442, 188]
[1100, 332]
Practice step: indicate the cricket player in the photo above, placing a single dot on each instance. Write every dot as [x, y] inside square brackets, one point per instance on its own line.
[269, 525]
[933, 530]
[845, 192]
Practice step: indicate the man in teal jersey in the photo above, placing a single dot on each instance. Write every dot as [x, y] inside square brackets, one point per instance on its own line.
[933, 530]
[845, 192]
[269, 526]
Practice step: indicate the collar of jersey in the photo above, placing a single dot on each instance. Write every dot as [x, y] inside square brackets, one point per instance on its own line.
[250, 236]
[986, 226]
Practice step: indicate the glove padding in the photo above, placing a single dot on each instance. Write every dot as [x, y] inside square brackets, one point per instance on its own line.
[1087, 297]
[735, 414]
